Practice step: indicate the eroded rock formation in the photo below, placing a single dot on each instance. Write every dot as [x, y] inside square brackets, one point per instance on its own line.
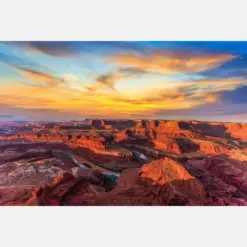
[161, 163]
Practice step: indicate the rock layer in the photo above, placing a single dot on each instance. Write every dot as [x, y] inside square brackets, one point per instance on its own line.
[161, 162]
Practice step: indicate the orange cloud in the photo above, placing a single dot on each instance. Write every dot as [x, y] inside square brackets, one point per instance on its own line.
[104, 81]
[110, 79]
[172, 62]
[182, 95]
[225, 82]
[36, 75]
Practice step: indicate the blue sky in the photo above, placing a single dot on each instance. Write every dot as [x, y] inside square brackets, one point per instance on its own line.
[169, 80]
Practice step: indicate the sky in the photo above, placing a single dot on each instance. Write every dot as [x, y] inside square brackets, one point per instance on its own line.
[59, 81]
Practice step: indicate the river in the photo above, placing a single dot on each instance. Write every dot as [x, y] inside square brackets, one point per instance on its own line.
[80, 161]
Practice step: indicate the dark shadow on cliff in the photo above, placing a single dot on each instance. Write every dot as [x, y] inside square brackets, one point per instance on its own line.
[187, 145]
[77, 192]
[175, 193]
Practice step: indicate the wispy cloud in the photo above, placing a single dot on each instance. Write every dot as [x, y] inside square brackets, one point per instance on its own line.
[172, 61]
[70, 49]
[109, 80]
[51, 48]
[127, 79]
[184, 95]
[29, 70]
[36, 75]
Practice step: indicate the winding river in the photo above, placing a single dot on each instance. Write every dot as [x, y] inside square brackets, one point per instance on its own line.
[84, 161]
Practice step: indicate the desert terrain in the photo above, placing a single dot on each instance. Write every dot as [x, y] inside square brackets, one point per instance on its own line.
[123, 162]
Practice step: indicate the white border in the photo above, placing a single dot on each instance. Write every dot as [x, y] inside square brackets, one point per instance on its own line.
[122, 20]
[122, 226]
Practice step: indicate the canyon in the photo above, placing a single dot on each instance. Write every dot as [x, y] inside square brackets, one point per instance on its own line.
[123, 162]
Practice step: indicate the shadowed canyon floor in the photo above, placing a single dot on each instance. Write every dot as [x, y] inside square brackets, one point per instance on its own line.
[123, 162]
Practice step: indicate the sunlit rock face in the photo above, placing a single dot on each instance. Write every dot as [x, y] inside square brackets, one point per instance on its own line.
[237, 130]
[162, 182]
[124, 162]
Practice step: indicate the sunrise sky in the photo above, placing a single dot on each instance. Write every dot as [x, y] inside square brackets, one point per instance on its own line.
[141, 80]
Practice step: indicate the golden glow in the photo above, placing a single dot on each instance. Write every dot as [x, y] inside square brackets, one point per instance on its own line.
[101, 97]
[103, 102]
[172, 62]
